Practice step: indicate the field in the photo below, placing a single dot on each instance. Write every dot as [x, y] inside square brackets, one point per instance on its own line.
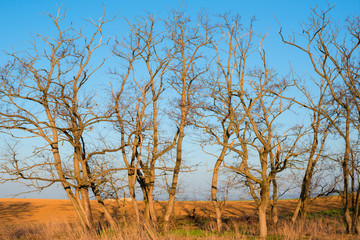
[55, 219]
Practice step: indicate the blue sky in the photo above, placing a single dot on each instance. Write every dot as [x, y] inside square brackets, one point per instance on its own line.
[21, 18]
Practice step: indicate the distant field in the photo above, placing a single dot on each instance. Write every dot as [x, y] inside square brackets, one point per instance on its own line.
[44, 210]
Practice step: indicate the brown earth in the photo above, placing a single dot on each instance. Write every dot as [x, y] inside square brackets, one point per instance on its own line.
[44, 210]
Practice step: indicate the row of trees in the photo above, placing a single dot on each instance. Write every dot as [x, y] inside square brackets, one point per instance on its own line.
[172, 75]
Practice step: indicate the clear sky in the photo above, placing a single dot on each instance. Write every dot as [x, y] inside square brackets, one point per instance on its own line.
[21, 18]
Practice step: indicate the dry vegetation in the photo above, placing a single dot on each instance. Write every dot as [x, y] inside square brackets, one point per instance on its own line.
[108, 133]
[56, 219]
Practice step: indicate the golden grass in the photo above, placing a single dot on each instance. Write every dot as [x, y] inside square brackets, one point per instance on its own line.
[311, 229]
[55, 219]
[45, 210]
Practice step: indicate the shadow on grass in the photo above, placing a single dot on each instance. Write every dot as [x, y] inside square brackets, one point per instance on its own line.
[16, 211]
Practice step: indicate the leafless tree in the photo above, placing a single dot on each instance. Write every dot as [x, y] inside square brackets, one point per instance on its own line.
[262, 134]
[333, 54]
[189, 39]
[243, 114]
[319, 130]
[137, 105]
[43, 97]
[219, 108]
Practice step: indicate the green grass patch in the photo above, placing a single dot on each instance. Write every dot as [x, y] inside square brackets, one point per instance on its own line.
[329, 213]
[188, 233]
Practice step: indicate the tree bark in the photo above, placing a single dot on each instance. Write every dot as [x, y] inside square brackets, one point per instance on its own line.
[345, 168]
[274, 207]
[296, 211]
[214, 189]
[262, 220]
[109, 218]
[172, 191]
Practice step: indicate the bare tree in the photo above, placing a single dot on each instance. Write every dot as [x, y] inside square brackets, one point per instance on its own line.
[260, 133]
[189, 39]
[219, 109]
[275, 145]
[243, 116]
[334, 56]
[145, 48]
[43, 97]
[315, 152]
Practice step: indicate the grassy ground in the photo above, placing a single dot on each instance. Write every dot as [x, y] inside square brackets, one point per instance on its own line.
[55, 219]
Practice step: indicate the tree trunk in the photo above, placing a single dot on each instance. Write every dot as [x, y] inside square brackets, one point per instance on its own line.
[170, 206]
[135, 205]
[78, 209]
[262, 220]
[172, 191]
[356, 214]
[151, 183]
[109, 218]
[153, 216]
[214, 189]
[82, 208]
[85, 219]
[296, 211]
[274, 207]
[146, 207]
[142, 180]
[305, 186]
[348, 221]
[345, 168]
[131, 178]
[86, 204]
[262, 207]
[305, 205]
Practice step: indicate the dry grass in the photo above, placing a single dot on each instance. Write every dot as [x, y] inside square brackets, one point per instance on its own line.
[45, 210]
[311, 229]
[54, 219]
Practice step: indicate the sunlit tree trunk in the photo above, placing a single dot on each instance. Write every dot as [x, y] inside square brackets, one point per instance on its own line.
[274, 205]
[214, 188]
[188, 45]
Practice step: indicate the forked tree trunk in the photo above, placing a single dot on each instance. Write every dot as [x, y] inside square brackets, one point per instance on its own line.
[146, 182]
[304, 209]
[148, 190]
[86, 201]
[82, 208]
[302, 203]
[84, 214]
[301, 209]
[96, 191]
[78, 209]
